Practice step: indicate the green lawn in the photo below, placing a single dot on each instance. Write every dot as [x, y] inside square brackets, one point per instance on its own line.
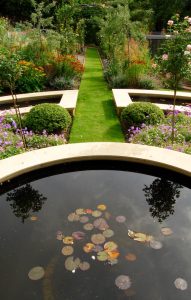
[95, 118]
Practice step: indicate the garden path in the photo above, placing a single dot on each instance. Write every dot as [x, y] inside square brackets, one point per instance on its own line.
[95, 119]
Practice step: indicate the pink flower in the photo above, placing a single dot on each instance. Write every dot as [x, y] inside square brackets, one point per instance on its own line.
[189, 20]
[165, 57]
[186, 18]
[188, 48]
[170, 22]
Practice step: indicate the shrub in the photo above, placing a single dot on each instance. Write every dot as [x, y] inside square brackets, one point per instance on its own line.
[138, 113]
[49, 117]
[62, 83]
[146, 82]
[32, 78]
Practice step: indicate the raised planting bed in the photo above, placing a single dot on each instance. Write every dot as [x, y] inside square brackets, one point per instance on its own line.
[64, 98]
[124, 97]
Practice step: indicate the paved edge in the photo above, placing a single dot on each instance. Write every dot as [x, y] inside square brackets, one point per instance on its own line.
[147, 155]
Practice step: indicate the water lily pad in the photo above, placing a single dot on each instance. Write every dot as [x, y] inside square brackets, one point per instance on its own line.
[33, 218]
[139, 236]
[101, 224]
[80, 211]
[59, 235]
[112, 262]
[88, 226]
[69, 263]
[98, 238]
[107, 215]
[130, 257]
[84, 219]
[166, 231]
[120, 219]
[102, 256]
[77, 262]
[88, 211]
[96, 213]
[123, 282]
[84, 266]
[110, 246]
[181, 284]
[155, 244]
[73, 217]
[36, 273]
[72, 264]
[67, 250]
[88, 247]
[68, 240]
[108, 233]
[78, 235]
[102, 207]
[113, 254]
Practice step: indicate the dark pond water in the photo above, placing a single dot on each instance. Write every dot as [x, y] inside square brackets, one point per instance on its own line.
[149, 217]
[182, 102]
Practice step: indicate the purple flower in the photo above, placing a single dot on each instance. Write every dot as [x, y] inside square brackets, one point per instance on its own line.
[7, 143]
[19, 144]
[14, 124]
[169, 147]
[44, 132]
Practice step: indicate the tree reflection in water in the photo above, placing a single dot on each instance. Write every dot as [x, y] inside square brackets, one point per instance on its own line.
[24, 201]
[161, 195]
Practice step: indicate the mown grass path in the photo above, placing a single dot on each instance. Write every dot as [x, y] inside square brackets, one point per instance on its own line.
[95, 118]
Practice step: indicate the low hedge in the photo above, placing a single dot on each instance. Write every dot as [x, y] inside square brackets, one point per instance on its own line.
[50, 117]
[138, 113]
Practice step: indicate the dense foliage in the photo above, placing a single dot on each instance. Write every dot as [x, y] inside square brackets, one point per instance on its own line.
[11, 142]
[160, 135]
[49, 117]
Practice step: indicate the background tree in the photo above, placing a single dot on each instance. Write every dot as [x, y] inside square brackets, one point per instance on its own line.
[163, 10]
[24, 201]
[175, 59]
[161, 196]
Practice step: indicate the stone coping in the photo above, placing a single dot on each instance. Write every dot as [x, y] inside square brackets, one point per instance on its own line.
[32, 96]
[147, 155]
[159, 94]
[68, 100]
[122, 98]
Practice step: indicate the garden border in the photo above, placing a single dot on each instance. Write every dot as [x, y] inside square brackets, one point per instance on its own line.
[146, 155]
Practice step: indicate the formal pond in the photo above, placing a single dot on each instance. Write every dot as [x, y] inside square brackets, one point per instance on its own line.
[96, 234]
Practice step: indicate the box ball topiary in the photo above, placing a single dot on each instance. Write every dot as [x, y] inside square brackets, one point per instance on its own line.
[47, 116]
[138, 113]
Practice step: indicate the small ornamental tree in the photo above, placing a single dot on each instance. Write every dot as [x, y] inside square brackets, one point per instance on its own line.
[175, 60]
[10, 72]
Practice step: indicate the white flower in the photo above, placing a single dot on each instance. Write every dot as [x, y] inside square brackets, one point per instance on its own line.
[165, 57]
[186, 52]
[188, 48]
[170, 22]
[189, 20]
